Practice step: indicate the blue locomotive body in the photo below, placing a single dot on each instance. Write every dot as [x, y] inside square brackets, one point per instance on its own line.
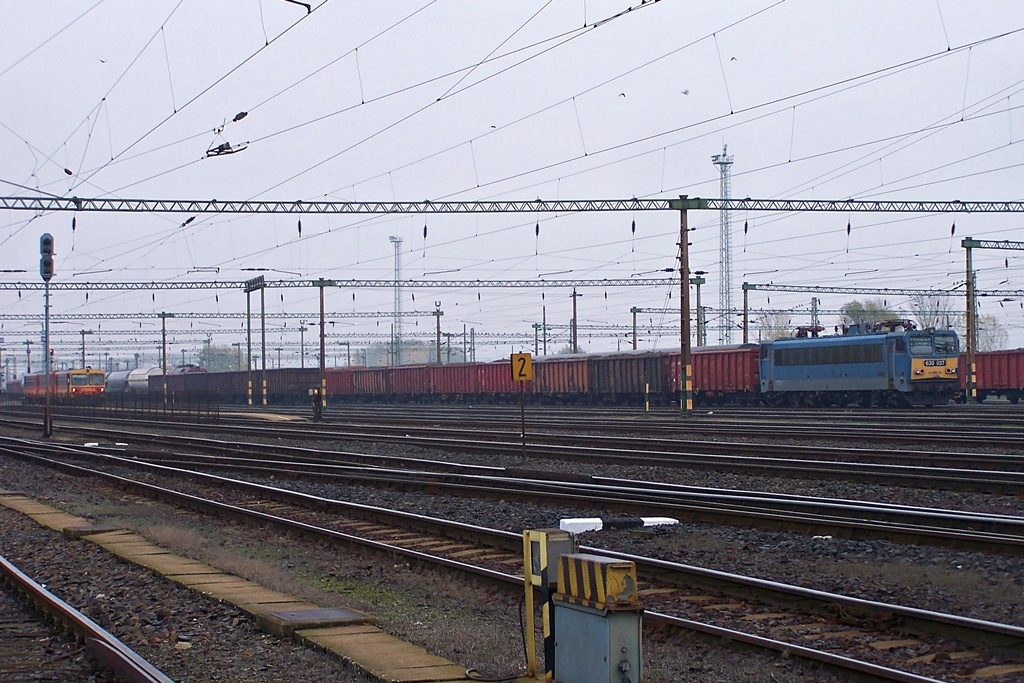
[883, 364]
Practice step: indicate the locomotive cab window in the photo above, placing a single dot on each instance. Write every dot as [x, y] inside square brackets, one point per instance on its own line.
[921, 346]
[79, 380]
[901, 345]
[945, 343]
[96, 380]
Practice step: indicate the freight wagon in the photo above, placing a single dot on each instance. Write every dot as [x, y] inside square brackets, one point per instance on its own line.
[721, 375]
[997, 374]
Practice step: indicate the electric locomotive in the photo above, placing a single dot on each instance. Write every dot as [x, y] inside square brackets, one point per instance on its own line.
[888, 364]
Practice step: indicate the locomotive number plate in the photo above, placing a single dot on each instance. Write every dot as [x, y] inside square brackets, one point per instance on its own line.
[935, 363]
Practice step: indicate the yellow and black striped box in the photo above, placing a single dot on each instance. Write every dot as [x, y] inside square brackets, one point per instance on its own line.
[599, 582]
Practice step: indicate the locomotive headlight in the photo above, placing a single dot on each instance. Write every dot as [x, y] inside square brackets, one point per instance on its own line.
[919, 371]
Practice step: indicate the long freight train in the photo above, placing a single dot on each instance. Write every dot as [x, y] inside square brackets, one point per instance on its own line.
[887, 364]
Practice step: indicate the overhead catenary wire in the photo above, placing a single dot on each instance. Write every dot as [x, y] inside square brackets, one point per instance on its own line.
[476, 177]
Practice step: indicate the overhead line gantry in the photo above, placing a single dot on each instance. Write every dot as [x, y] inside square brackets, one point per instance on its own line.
[214, 206]
[341, 284]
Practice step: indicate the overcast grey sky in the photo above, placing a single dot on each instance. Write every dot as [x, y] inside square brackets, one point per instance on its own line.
[432, 99]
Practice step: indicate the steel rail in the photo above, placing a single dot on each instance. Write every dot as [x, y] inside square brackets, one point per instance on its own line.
[100, 643]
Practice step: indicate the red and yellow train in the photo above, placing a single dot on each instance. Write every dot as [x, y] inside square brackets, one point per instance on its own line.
[81, 385]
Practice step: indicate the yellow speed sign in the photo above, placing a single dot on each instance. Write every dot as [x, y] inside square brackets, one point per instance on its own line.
[522, 367]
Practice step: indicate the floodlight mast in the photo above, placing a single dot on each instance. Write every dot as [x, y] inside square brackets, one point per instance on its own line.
[724, 163]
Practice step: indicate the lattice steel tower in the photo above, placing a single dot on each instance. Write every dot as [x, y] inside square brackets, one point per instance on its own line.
[397, 340]
[724, 163]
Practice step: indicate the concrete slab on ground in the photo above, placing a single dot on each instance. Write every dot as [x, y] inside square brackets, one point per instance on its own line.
[383, 656]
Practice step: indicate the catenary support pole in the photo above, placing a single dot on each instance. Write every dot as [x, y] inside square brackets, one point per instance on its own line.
[686, 383]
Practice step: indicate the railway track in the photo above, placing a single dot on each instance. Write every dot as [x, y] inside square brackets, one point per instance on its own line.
[1005, 418]
[957, 428]
[883, 642]
[34, 643]
[797, 427]
[841, 518]
[978, 472]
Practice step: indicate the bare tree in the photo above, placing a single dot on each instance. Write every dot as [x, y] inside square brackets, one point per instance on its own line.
[934, 311]
[992, 336]
[775, 325]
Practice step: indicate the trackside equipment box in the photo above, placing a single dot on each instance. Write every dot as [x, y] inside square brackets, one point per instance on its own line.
[597, 621]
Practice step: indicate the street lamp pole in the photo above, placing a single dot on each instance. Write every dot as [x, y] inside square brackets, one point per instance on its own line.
[84, 332]
[438, 313]
[634, 310]
[746, 313]
[701, 331]
[263, 342]
[322, 283]
[163, 355]
[575, 323]
[251, 286]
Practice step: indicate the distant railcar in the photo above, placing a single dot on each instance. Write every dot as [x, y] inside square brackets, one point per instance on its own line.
[130, 381]
[15, 389]
[561, 379]
[186, 369]
[452, 382]
[629, 377]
